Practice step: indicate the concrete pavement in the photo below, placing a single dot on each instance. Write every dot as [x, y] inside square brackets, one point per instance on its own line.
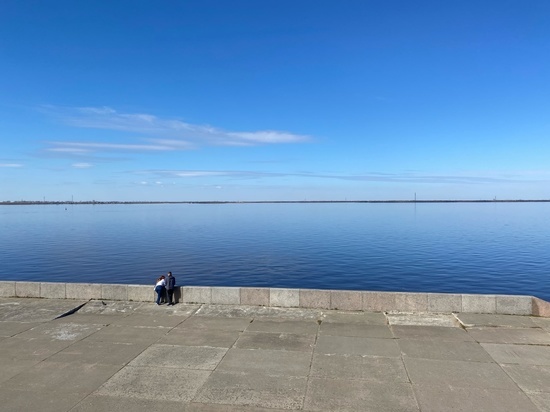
[136, 356]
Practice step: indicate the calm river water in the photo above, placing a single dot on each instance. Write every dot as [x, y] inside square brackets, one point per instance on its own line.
[433, 247]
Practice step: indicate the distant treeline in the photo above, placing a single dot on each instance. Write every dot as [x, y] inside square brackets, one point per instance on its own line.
[207, 202]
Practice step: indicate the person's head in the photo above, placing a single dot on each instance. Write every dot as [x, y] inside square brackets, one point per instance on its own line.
[169, 273]
[162, 277]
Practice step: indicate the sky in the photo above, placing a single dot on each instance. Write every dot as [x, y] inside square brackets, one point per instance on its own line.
[214, 100]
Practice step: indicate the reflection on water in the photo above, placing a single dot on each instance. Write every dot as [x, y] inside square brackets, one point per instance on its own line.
[464, 247]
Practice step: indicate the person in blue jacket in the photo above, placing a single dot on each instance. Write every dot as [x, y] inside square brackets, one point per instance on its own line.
[170, 286]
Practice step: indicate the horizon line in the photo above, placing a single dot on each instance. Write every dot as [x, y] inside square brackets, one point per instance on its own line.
[100, 202]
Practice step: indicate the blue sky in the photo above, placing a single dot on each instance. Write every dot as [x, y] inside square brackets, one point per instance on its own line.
[274, 100]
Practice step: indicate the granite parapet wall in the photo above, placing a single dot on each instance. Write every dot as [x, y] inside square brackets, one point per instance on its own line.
[281, 297]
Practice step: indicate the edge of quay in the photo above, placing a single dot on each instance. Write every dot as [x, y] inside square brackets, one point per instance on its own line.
[351, 300]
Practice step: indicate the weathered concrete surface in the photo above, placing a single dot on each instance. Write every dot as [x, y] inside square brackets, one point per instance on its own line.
[120, 356]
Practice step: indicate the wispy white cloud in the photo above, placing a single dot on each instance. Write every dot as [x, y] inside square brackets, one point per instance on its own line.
[406, 177]
[14, 165]
[161, 133]
[81, 165]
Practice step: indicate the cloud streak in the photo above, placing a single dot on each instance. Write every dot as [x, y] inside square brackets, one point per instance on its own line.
[408, 177]
[161, 134]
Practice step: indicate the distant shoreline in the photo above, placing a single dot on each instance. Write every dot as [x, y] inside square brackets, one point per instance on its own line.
[223, 202]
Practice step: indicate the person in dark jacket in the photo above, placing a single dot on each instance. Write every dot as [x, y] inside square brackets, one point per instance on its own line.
[170, 286]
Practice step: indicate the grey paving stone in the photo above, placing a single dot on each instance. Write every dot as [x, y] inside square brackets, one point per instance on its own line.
[534, 378]
[101, 353]
[511, 335]
[229, 324]
[89, 319]
[128, 334]
[480, 319]
[269, 362]
[109, 307]
[541, 400]
[440, 398]
[299, 327]
[201, 337]
[31, 349]
[358, 395]
[344, 345]
[458, 374]
[465, 351]
[254, 389]
[204, 407]
[8, 329]
[230, 311]
[520, 354]
[11, 367]
[35, 310]
[422, 319]
[63, 331]
[97, 403]
[17, 400]
[62, 377]
[437, 333]
[382, 370]
[358, 330]
[276, 341]
[148, 383]
[544, 323]
[180, 357]
[367, 318]
[152, 321]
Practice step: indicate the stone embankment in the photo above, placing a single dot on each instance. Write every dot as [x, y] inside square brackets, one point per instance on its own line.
[367, 301]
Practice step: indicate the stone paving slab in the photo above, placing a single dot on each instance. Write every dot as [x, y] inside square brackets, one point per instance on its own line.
[151, 383]
[360, 331]
[441, 398]
[458, 374]
[255, 389]
[101, 353]
[180, 357]
[534, 378]
[35, 310]
[358, 395]
[15, 400]
[62, 377]
[270, 362]
[529, 336]
[114, 356]
[229, 324]
[521, 354]
[366, 318]
[345, 345]
[436, 333]
[298, 327]
[8, 329]
[276, 341]
[465, 351]
[191, 336]
[377, 369]
[480, 319]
